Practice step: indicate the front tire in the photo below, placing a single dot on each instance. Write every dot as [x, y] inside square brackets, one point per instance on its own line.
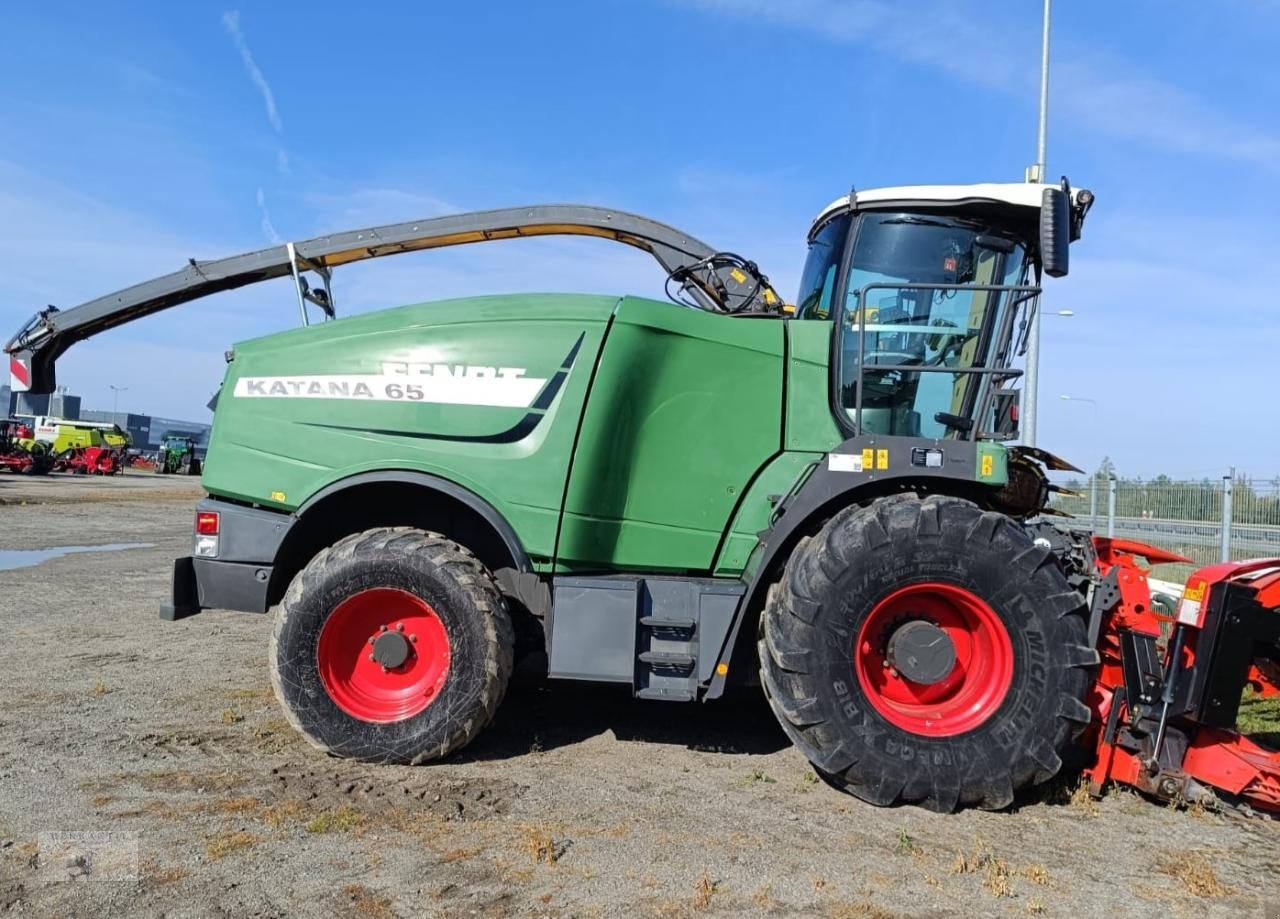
[990, 713]
[392, 646]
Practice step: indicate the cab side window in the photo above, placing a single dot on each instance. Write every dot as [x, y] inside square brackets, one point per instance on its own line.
[817, 284]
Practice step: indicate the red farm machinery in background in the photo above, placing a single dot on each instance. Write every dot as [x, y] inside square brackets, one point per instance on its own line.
[96, 460]
[1172, 675]
[20, 451]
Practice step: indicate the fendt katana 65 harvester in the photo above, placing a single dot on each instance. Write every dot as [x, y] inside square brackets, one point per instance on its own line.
[677, 496]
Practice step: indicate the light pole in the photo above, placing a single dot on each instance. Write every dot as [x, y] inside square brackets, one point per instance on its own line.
[1036, 173]
[1093, 485]
[1031, 388]
[115, 399]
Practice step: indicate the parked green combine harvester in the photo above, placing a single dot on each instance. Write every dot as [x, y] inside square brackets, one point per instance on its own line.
[673, 496]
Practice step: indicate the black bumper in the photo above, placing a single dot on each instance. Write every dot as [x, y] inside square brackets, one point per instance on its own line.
[239, 578]
[207, 583]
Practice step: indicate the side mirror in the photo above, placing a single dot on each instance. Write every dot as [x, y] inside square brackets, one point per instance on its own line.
[1055, 231]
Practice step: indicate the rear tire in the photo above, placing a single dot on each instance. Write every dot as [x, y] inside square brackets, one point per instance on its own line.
[453, 673]
[1007, 709]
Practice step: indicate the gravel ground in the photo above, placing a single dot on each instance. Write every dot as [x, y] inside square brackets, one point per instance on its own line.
[165, 782]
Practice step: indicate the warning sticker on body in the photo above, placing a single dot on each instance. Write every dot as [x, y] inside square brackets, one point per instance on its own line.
[844, 462]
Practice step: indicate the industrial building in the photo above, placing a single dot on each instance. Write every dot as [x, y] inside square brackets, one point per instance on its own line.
[146, 431]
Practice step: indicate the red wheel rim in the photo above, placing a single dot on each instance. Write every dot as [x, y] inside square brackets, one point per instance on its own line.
[977, 684]
[363, 687]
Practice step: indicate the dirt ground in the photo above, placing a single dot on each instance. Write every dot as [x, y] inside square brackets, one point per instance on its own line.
[145, 770]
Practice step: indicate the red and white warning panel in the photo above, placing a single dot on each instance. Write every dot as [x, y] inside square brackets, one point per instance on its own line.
[19, 374]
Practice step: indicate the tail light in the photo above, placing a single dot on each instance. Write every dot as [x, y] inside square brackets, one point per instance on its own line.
[207, 523]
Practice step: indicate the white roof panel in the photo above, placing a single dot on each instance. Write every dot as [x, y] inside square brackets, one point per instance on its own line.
[1018, 194]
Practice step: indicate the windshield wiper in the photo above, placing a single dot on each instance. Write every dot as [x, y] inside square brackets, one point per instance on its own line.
[920, 222]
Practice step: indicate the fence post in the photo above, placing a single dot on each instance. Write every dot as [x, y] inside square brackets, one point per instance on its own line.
[1093, 504]
[1228, 490]
[1111, 505]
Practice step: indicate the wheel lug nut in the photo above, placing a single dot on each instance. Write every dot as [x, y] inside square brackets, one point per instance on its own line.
[413, 637]
[400, 627]
[371, 639]
[384, 668]
[372, 658]
[382, 628]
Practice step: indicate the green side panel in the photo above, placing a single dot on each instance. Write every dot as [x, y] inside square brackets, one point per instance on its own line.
[686, 408]
[753, 515]
[460, 389]
[992, 462]
[810, 425]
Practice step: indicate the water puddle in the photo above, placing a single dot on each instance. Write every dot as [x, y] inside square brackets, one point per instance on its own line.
[29, 558]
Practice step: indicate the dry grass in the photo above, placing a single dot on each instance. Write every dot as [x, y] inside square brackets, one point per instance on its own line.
[704, 890]
[158, 876]
[982, 859]
[231, 716]
[236, 806]
[1035, 907]
[169, 779]
[763, 897]
[286, 811]
[223, 844]
[1195, 872]
[1082, 799]
[106, 496]
[1037, 874]
[365, 902]
[98, 688]
[458, 855]
[540, 845]
[339, 820]
[858, 911]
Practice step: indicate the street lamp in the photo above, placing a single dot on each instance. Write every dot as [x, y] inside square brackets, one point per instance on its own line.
[1093, 486]
[115, 399]
[1032, 385]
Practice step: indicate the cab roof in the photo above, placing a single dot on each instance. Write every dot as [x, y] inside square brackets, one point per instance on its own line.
[1016, 194]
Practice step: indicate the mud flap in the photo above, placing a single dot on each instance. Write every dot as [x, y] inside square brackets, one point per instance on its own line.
[185, 600]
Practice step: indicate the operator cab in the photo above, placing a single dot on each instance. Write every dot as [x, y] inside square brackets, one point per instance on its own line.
[927, 286]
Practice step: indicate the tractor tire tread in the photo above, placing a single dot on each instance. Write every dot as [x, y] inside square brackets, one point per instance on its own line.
[846, 741]
[439, 555]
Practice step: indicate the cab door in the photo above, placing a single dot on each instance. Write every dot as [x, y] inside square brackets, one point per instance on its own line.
[685, 407]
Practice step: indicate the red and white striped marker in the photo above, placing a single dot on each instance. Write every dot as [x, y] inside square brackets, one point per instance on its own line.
[19, 375]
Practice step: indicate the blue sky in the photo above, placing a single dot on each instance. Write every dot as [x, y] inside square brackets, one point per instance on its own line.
[137, 135]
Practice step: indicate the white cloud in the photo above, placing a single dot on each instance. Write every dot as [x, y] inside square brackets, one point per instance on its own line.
[268, 229]
[1102, 93]
[231, 22]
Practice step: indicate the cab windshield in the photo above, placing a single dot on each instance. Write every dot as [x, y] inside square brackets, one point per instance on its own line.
[925, 310]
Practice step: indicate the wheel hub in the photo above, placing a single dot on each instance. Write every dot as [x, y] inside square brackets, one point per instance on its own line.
[934, 659]
[922, 652]
[383, 655]
[390, 649]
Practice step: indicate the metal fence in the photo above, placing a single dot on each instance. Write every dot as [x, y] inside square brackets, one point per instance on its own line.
[1208, 521]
